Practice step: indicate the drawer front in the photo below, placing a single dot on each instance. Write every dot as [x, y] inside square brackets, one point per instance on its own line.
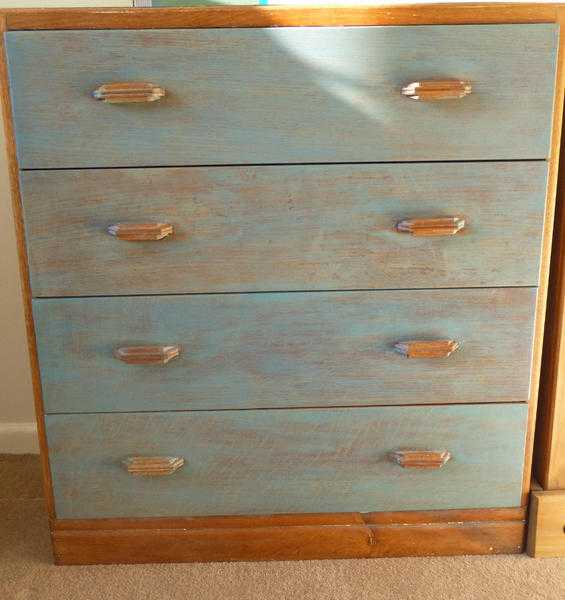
[253, 462]
[282, 95]
[284, 350]
[283, 228]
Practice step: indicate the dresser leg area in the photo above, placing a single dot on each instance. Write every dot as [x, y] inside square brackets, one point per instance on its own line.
[546, 524]
[289, 537]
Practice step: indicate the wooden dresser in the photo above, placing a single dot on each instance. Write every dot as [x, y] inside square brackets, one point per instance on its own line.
[286, 274]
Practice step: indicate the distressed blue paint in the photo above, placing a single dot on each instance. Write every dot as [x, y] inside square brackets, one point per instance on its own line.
[285, 350]
[241, 229]
[282, 95]
[287, 461]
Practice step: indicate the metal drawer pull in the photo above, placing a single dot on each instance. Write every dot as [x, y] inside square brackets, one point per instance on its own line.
[425, 349]
[431, 227]
[437, 89]
[420, 459]
[153, 466]
[128, 92]
[141, 232]
[147, 355]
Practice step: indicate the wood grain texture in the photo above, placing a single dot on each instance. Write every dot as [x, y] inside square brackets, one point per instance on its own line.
[153, 466]
[427, 227]
[549, 448]
[550, 435]
[147, 355]
[129, 92]
[546, 526]
[281, 16]
[294, 460]
[274, 91]
[421, 459]
[284, 228]
[437, 90]
[546, 257]
[13, 173]
[349, 540]
[285, 350]
[140, 232]
[413, 517]
[427, 349]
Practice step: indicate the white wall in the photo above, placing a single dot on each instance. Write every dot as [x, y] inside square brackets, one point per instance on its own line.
[16, 400]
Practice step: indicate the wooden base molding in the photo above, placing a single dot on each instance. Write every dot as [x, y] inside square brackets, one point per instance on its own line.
[289, 537]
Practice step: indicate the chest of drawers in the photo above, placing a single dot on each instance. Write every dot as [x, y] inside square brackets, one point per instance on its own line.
[285, 279]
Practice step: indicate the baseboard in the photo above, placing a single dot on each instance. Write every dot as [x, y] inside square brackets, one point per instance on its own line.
[18, 438]
[296, 537]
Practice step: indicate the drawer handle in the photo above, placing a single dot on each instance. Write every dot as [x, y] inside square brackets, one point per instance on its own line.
[153, 466]
[128, 92]
[147, 355]
[431, 227]
[437, 89]
[420, 459]
[425, 349]
[141, 232]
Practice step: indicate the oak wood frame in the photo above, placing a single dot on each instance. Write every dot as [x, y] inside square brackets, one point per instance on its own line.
[291, 536]
[549, 465]
[546, 519]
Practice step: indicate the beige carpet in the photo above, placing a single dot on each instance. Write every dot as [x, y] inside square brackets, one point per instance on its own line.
[26, 572]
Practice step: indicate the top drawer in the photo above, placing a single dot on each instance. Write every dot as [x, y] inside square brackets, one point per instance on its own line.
[282, 95]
